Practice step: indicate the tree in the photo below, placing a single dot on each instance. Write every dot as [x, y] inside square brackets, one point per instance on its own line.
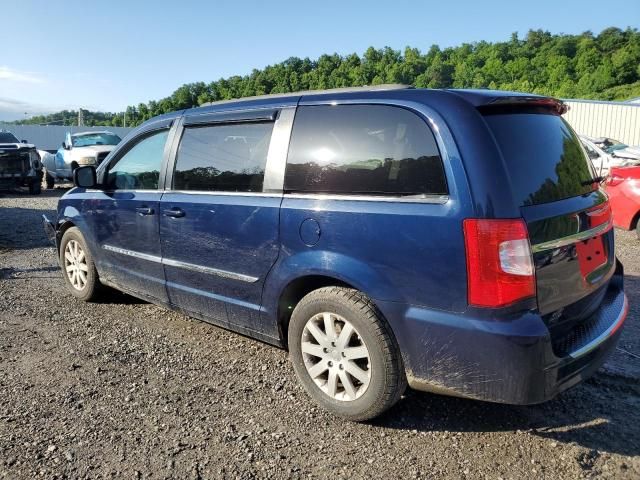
[604, 66]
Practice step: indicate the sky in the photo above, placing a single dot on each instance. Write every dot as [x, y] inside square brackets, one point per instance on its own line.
[59, 54]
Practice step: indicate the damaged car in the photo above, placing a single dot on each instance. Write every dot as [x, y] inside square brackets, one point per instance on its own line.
[19, 164]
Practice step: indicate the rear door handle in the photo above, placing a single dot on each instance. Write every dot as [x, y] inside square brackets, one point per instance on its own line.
[174, 212]
[144, 211]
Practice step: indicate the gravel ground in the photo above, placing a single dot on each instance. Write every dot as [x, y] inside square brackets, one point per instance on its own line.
[127, 389]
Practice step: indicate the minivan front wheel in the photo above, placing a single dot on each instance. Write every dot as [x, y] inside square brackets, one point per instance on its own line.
[77, 265]
[344, 353]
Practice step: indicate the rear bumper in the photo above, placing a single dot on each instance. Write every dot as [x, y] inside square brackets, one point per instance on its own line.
[509, 360]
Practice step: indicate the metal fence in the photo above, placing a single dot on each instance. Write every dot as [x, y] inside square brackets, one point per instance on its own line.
[597, 119]
[50, 137]
[605, 119]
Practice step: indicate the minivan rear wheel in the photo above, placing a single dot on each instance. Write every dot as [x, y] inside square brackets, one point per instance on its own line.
[344, 353]
[77, 265]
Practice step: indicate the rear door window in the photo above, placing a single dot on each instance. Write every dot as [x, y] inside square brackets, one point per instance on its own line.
[543, 157]
[363, 150]
[230, 158]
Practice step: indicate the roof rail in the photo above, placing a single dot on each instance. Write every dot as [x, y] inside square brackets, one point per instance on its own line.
[372, 88]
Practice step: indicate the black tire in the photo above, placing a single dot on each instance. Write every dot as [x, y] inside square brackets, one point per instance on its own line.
[387, 381]
[638, 229]
[51, 182]
[35, 188]
[92, 286]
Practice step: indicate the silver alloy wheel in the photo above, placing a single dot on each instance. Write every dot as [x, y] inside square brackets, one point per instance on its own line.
[75, 265]
[336, 356]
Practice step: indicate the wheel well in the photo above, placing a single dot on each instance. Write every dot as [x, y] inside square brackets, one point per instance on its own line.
[63, 228]
[634, 221]
[294, 292]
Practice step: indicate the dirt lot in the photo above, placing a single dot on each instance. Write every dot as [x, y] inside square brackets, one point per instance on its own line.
[126, 389]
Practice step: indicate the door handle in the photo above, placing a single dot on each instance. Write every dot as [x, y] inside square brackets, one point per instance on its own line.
[174, 212]
[142, 211]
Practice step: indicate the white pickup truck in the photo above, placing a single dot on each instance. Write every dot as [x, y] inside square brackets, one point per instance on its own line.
[83, 148]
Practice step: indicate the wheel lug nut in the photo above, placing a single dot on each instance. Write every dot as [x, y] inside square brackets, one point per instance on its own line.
[330, 363]
[343, 354]
[341, 366]
[325, 350]
[333, 344]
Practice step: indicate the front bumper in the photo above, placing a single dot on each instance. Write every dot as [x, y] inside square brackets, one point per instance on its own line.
[511, 360]
[20, 178]
[50, 229]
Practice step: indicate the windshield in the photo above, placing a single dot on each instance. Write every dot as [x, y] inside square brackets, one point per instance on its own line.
[544, 158]
[95, 139]
[6, 137]
[610, 145]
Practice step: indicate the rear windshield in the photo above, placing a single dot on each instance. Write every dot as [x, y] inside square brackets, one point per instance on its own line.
[6, 137]
[543, 157]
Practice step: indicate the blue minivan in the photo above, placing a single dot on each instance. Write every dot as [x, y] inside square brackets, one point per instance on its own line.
[456, 241]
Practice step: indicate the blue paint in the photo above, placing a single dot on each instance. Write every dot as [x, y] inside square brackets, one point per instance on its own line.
[408, 257]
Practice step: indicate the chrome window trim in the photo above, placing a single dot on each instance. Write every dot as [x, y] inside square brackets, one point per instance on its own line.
[209, 270]
[430, 199]
[185, 265]
[571, 239]
[604, 335]
[146, 190]
[223, 193]
[278, 149]
[133, 253]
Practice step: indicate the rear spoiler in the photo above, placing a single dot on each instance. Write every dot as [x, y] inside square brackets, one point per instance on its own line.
[508, 104]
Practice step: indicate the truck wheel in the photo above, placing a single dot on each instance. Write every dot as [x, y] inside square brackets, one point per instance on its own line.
[78, 269]
[51, 182]
[344, 353]
[35, 188]
[638, 229]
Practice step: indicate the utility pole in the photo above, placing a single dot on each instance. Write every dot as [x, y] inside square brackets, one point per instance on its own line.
[80, 118]
[124, 119]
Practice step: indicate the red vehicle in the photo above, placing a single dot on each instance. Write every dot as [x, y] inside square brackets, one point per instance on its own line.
[623, 187]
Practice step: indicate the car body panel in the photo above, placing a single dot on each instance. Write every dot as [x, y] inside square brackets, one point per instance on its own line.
[236, 240]
[230, 257]
[623, 188]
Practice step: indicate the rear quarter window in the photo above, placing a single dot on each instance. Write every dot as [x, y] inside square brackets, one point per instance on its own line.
[544, 158]
[363, 150]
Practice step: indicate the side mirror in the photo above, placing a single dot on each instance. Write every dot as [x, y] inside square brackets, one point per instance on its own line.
[85, 177]
[65, 146]
[24, 141]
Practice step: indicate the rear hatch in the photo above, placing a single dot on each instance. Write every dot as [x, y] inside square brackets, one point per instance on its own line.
[567, 215]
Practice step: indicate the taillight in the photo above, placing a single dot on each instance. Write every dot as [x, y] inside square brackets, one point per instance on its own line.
[499, 262]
